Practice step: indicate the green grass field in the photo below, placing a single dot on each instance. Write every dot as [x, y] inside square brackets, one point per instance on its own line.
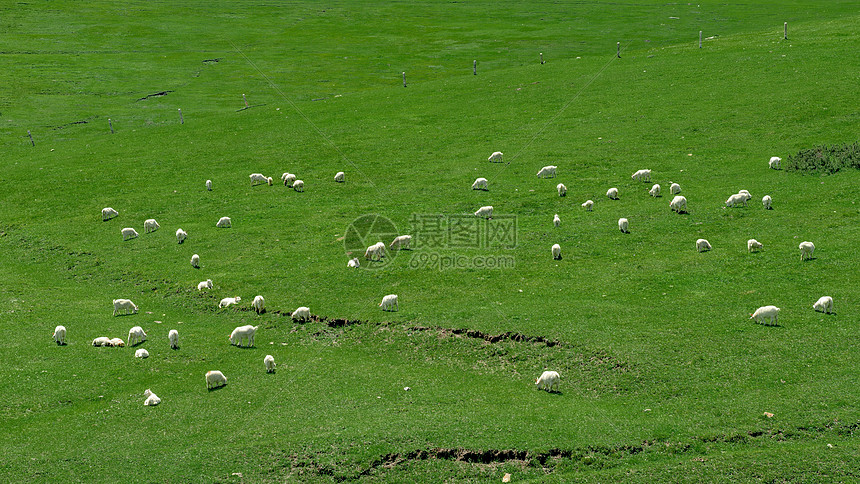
[664, 376]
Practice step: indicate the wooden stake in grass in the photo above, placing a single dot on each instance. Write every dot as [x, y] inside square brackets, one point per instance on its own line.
[785, 31]
[475, 67]
[181, 119]
[31, 138]
[110, 123]
[541, 58]
[404, 78]
[246, 101]
[700, 39]
[618, 50]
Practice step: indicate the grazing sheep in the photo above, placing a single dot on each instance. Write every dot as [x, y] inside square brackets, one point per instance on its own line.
[702, 245]
[548, 381]
[480, 184]
[556, 252]
[108, 213]
[299, 186]
[246, 332]
[209, 185]
[60, 335]
[151, 398]
[622, 225]
[215, 379]
[288, 178]
[774, 162]
[679, 204]
[674, 189]
[353, 262]
[642, 175]
[195, 261]
[117, 342]
[389, 302]
[654, 191]
[124, 305]
[769, 312]
[136, 335]
[562, 190]
[547, 172]
[301, 314]
[753, 245]
[485, 212]
[736, 199]
[269, 362]
[224, 223]
[401, 241]
[806, 250]
[141, 353]
[228, 301]
[181, 235]
[102, 341]
[150, 225]
[375, 251]
[612, 193]
[746, 194]
[173, 337]
[128, 233]
[207, 284]
[496, 157]
[824, 304]
[260, 178]
[556, 221]
[765, 200]
[339, 177]
[588, 204]
[259, 304]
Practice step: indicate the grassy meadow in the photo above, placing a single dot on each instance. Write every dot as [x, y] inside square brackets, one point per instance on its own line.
[664, 376]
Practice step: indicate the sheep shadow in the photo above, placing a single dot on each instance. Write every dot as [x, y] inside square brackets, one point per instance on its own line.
[769, 325]
[554, 392]
[213, 389]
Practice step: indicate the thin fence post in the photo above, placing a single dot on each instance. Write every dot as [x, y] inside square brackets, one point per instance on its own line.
[404, 78]
[245, 99]
[181, 119]
[110, 123]
[541, 58]
[475, 67]
[700, 39]
[618, 50]
[31, 138]
[785, 31]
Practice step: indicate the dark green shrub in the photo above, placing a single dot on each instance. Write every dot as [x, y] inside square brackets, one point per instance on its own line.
[825, 159]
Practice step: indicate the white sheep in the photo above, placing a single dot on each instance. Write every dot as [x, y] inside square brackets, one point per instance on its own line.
[765, 200]
[173, 337]
[151, 398]
[655, 190]
[612, 193]
[108, 213]
[301, 314]
[375, 251]
[746, 194]
[150, 225]
[389, 302]
[806, 250]
[117, 342]
[101, 341]
[824, 304]
[622, 225]
[753, 245]
[588, 204]
[288, 178]
[228, 301]
[128, 233]
[556, 221]
[642, 175]
[181, 235]
[299, 186]
[260, 178]
[259, 304]
[60, 335]
[215, 379]
[195, 261]
[548, 381]
[136, 335]
[339, 177]
[702, 245]
[124, 305]
[480, 184]
[547, 172]
[224, 223]
[141, 353]
[562, 190]
[485, 212]
[674, 189]
[353, 262]
[269, 362]
[679, 204]
[203, 285]
[556, 252]
[209, 185]
[496, 157]
[401, 242]
[769, 312]
[246, 332]
[736, 199]
[774, 162]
